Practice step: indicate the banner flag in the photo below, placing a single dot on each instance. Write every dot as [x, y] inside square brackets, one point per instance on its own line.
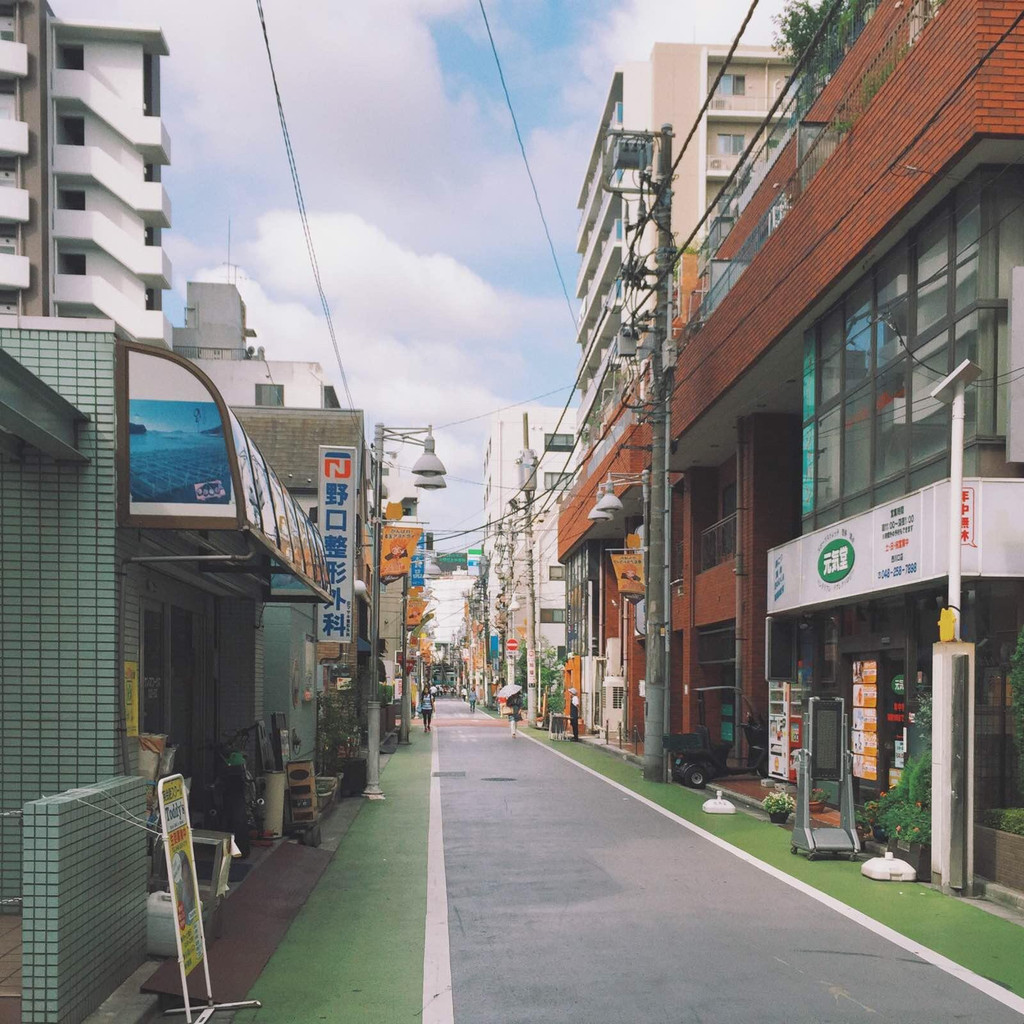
[397, 545]
[629, 573]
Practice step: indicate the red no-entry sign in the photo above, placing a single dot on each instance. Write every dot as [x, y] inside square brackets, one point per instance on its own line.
[512, 645]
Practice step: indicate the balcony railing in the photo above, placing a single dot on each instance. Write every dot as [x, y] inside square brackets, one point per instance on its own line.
[758, 104]
[722, 163]
[205, 352]
[718, 543]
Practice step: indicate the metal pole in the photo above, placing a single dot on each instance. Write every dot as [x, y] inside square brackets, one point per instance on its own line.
[956, 489]
[654, 673]
[485, 568]
[372, 790]
[530, 490]
[403, 731]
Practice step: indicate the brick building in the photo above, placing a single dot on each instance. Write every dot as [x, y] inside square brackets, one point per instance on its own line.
[863, 251]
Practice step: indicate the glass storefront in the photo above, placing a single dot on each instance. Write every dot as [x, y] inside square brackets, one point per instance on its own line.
[871, 430]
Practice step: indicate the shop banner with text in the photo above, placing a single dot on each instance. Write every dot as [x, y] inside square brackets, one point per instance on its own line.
[629, 573]
[414, 612]
[397, 546]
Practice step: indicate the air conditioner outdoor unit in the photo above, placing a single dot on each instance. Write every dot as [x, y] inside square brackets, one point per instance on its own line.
[715, 165]
[614, 704]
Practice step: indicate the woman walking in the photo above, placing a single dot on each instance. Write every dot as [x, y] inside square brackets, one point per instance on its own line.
[515, 702]
[427, 707]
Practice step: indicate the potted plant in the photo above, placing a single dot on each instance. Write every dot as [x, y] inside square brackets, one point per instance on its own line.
[869, 818]
[817, 800]
[779, 804]
[906, 816]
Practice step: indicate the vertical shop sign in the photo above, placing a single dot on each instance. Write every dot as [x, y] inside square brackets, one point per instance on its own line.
[337, 521]
[186, 905]
[864, 735]
[968, 516]
[131, 698]
[418, 565]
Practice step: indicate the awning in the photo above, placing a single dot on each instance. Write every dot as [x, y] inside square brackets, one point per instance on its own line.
[33, 414]
[185, 463]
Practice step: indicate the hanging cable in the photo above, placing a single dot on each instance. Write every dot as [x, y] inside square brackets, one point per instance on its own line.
[301, 203]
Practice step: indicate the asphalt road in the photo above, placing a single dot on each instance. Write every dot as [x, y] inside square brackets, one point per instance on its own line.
[569, 901]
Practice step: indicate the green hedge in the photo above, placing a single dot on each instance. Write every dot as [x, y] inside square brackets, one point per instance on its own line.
[1006, 819]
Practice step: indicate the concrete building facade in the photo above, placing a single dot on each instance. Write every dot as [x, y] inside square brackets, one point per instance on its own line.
[82, 147]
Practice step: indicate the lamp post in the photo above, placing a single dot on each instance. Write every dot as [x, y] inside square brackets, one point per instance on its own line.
[428, 474]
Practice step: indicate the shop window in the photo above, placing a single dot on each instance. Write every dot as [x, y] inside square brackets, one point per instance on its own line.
[929, 433]
[808, 383]
[891, 300]
[891, 422]
[807, 485]
[826, 465]
[829, 676]
[154, 716]
[831, 356]
[857, 442]
[932, 272]
[968, 231]
[857, 358]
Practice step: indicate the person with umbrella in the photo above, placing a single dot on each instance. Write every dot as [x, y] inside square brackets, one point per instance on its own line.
[514, 704]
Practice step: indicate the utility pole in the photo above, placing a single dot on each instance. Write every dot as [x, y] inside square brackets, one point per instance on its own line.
[372, 691]
[484, 573]
[657, 627]
[528, 484]
[403, 732]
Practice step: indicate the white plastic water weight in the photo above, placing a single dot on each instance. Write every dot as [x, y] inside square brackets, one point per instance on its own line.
[718, 805]
[888, 869]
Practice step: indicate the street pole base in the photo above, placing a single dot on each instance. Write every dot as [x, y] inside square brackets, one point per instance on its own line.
[373, 793]
[204, 1013]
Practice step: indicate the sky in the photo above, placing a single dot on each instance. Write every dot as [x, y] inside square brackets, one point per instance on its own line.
[443, 292]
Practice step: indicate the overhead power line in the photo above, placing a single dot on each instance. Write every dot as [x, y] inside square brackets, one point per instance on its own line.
[526, 162]
[301, 203]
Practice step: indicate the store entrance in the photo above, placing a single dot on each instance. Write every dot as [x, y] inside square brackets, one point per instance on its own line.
[878, 721]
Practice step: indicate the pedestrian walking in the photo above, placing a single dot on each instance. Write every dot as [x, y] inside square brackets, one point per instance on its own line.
[574, 714]
[427, 707]
[472, 700]
[515, 702]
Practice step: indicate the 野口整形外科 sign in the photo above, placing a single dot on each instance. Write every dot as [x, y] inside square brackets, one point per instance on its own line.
[337, 519]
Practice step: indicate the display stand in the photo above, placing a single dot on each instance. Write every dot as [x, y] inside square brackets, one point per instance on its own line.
[825, 759]
[189, 934]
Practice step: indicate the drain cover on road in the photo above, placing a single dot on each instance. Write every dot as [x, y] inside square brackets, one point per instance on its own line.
[449, 775]
[498, 778]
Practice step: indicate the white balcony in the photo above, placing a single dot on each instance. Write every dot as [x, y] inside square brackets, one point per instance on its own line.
[602, 233]
[89, 295]
[13, 137]
[148, 262]
[14, 271]
[721, 165]
[147, 134]
[89, 163]
[593, 201]
[13, 59]
[14, 205]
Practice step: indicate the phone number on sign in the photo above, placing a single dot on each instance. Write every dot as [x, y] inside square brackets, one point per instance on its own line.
[894, 572]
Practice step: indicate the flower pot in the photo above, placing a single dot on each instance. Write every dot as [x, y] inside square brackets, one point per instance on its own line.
[917, 855]
[778, 817]
[817, 806]
[879, 833]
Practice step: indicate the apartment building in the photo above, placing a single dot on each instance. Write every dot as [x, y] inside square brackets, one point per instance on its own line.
[668, 88]
[82, 147]
[504, 545]
[810, 464]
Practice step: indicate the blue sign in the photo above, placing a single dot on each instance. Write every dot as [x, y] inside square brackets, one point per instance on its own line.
[418, 563]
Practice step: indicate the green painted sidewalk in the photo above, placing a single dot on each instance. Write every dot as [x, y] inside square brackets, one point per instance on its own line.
[974, 938]
[354, 953]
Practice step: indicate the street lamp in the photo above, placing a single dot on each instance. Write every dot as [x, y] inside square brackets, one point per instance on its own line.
[428, 473]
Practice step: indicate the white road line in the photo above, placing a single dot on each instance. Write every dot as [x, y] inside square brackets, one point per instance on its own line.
[437, 963]
[990, 988]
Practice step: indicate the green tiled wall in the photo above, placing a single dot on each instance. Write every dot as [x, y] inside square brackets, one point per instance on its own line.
[84, 916]
[58, 684]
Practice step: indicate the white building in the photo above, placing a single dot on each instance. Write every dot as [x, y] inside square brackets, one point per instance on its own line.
[504, 545]
[217, 338]
[668, 88]
[82, 146]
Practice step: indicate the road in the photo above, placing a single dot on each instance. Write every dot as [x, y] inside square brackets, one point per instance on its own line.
[570, 901]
